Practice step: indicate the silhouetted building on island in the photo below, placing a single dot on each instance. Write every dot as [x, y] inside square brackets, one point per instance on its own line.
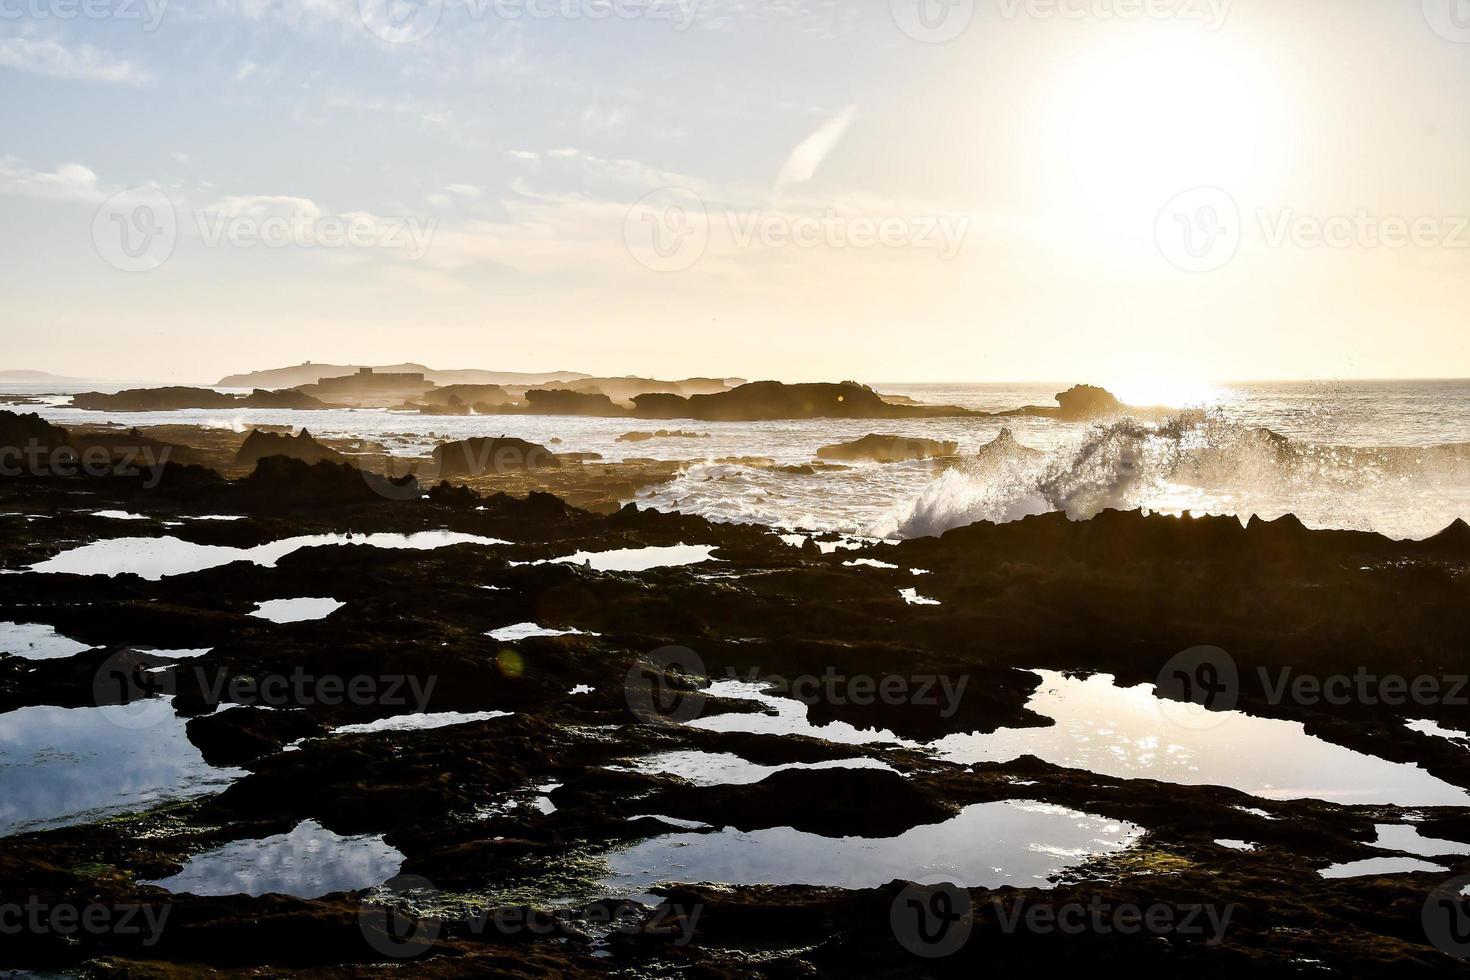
[367, 388]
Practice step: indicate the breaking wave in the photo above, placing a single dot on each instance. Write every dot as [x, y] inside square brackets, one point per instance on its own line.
[1193, 461]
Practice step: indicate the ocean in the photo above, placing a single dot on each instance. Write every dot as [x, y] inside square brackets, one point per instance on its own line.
[1387, 456]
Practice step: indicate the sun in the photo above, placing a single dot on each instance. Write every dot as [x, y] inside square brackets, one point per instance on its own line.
[1140, 116]
[1165, 390]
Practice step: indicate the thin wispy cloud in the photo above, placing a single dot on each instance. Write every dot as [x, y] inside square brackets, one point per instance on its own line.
[810, 154]
[81, 63]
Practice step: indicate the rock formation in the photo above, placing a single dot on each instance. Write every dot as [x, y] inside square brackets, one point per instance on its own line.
[888, 449]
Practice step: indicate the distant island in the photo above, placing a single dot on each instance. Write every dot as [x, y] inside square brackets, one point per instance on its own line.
[309, 374]
[36, 378]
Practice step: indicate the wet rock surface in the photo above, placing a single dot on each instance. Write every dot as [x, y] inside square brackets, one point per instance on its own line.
[507, 812]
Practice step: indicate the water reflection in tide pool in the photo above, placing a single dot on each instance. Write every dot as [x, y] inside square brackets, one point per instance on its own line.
[308, 862]
[728, 769]
[156, 558]
[986, 845]
[62, 766]
[34, 641]
[1129, 733]
[637, 559]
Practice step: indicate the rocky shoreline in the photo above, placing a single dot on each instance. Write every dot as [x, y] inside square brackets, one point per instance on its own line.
[494, 880]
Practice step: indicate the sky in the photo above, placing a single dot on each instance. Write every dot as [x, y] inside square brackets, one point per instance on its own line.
[885, 190]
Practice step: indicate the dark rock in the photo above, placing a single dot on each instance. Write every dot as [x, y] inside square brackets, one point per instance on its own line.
[562, 402]
[243, 734]
[888, 449]
[258, 445]
[479, 456]
[768, 400]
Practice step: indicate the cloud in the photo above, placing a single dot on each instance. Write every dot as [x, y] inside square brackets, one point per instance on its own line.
[85, 63]
[600, 120]
[260, 206]
[809, 155]
[69, 182]
[246, 69]
[465, 190]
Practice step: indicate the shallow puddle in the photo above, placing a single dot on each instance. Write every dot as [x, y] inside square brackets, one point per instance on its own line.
[1128, 733]
[62, 766]
[309, 862]
[1402, 837]
[1379, 866]
[789, 717]
[1427, 727]
[986, 845]
[296, 610]
[33, 641]
[639, 559]
[157, 558]
[727, 769]
[526, 631]
[420, 722]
